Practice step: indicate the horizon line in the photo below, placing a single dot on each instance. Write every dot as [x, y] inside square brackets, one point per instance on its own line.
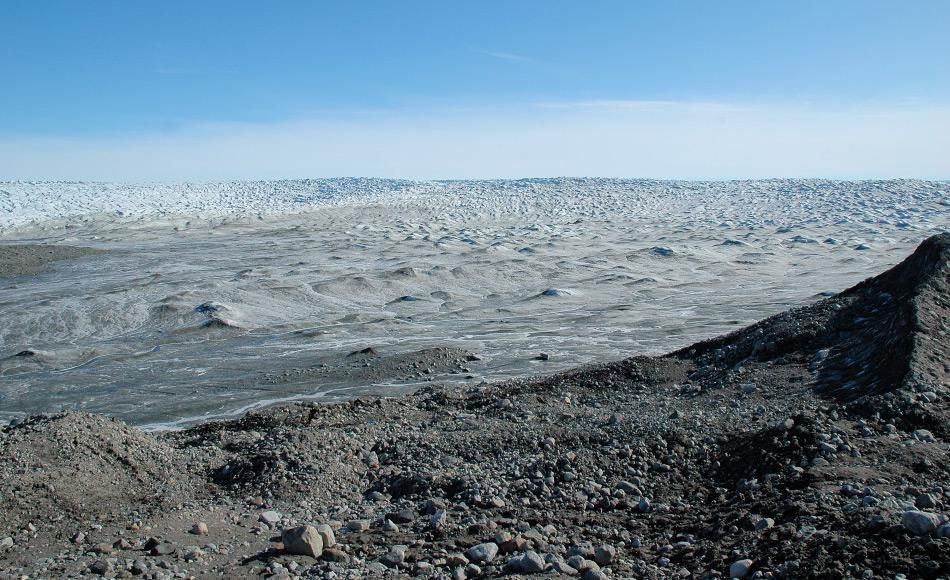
[421, 180]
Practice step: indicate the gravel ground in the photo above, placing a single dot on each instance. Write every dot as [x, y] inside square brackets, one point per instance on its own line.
[812, 444]
[28, 259]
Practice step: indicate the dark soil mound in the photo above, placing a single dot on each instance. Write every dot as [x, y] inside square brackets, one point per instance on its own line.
[76, 464]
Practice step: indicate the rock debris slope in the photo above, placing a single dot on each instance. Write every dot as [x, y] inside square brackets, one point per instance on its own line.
[812, 444]
[886, 334]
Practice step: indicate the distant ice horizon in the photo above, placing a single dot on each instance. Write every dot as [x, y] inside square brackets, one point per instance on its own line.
[45, 204]
[539, 178]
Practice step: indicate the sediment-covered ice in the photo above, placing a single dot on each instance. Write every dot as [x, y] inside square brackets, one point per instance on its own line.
[216, 297]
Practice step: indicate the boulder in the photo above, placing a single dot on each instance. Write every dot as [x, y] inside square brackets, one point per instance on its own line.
[482, 552]
[303, 541]
[740, 568]
[528, 563]
[920, 523]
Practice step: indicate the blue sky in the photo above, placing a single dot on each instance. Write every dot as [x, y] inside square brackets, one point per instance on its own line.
[215, 90]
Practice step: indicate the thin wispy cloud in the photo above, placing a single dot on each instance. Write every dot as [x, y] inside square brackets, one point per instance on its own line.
[175, 71]
[505, 56]
[620, 105]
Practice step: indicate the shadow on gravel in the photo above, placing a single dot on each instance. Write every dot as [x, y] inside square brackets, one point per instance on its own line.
[770, 452]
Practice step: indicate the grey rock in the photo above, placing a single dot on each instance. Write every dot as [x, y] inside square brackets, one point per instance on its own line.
[764, 524]
[585, 565]
[605, 554]
[944, 530]
[276, 569]
[371, 459]
[535, 537]
[270, 517]
[926, 500]
[335, 555]
[740, 568]
[438, 519]
[576, 561]
[528, 563]
[924, 436]
[482, 552]
[562, 567]
[591, 574]
[303, 541]
[827, 448]
[327, 535]
[376, 569]
[200, 529]
[644, 505]
[102, 548]
[583, 549]
[162, 549]
[101, 567]
[869, 501]
[920, 523]
[6, 543]
[456, 560]
[395, 556]
[357, 525]
[402, 517]
[629, 488]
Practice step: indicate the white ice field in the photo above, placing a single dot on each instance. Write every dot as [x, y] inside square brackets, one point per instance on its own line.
[216, 298]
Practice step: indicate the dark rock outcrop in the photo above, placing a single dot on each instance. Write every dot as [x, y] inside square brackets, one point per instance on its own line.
[886, 333]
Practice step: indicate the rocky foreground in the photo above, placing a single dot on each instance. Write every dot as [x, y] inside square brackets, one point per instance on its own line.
[812, 444]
